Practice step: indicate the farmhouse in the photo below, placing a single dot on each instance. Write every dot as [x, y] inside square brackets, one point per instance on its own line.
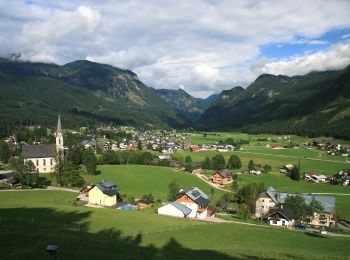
[271, 199]
[190, 203]
[104, 194]
[43, 156]
[221, 177]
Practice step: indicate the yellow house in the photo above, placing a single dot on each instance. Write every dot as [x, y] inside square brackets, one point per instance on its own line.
[104, 194]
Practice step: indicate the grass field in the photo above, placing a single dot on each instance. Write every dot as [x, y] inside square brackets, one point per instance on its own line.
[308, 159]
[32, 219]
[137, 180]
[213, 137]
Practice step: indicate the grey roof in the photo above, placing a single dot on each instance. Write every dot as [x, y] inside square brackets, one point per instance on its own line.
[38, 151]
[197, 196]
[327, 202]
[185, 210]
[286, 212]
[107, 187]
[225, 173]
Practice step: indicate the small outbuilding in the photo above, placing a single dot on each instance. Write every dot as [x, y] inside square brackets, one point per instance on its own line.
[175, 209]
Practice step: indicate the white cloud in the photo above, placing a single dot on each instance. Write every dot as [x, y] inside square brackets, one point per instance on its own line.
[337, 57]
[203, 46]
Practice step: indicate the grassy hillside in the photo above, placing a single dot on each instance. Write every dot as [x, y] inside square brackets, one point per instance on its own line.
[45, 217]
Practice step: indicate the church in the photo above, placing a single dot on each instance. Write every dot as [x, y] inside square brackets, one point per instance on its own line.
[43, 156]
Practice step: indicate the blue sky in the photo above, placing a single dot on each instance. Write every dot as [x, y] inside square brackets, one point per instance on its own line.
[200, 46]
[303, 45]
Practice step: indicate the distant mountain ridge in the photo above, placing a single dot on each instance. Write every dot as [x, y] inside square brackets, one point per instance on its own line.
[84, 92]
[314, 104]
[182, 102]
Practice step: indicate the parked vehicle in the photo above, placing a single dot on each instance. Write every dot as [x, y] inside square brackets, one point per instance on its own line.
[300, 226]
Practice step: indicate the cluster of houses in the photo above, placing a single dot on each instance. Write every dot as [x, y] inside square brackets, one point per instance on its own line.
[166, 142]
[332, 149]
[189, 203]
[270, 205]
[342, 178]
[212, 147]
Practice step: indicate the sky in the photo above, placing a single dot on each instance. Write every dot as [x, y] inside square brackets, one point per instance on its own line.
[201, 46]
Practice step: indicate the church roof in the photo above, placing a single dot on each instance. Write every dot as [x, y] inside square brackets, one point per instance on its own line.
[38, 151]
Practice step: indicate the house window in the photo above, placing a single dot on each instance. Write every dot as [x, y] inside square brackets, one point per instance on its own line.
[59, 141]
[37, 162]
[274, 222]
[262, 200]
[44, 162]
[51, 161]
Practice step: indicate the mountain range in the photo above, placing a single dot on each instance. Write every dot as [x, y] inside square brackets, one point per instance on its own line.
[84, 93]
[89, 93]
[314, 104]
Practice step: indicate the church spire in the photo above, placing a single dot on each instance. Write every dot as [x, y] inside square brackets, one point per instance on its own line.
[59, 128]
[59, 135]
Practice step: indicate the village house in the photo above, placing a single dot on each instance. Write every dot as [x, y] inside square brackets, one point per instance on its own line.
[255, 171]
[281, 216]
[221, 177]
[190, 203]
[197, 168]
[312, 177]
[270, 199]
[286, 169]
[104, 194]
[43, 156]
[144, 203]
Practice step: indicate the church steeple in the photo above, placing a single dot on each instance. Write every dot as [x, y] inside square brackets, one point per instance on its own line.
[59, 135]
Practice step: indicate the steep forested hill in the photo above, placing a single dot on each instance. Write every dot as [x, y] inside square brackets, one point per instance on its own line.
[182, 102]
[83, 92]
[315, 104]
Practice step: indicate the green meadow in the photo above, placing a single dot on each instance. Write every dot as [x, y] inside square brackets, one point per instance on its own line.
[137, 180]
[32, 219]
[309, 160]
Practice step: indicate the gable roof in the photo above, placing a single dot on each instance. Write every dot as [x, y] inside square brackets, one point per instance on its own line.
[107, 187]
[224, 173]
[39, 151]
[286, 212]
[185, 210]
[196, 195]
[327, 202]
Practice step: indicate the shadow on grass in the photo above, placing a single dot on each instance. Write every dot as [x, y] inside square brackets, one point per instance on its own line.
[310, 234]
[25, 233]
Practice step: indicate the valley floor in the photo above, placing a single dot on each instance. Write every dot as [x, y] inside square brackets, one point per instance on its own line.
[33, 219]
